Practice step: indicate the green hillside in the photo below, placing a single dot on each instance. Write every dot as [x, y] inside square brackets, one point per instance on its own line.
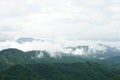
[18, 65]
[58, 71]
[10, 57]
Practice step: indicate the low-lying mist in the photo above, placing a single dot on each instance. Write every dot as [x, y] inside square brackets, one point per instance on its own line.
[56, 47]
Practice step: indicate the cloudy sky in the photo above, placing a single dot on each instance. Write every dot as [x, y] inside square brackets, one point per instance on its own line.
[72, 19]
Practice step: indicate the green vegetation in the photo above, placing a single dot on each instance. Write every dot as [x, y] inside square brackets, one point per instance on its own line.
[58, 71]
[19, 65]
[10, 57]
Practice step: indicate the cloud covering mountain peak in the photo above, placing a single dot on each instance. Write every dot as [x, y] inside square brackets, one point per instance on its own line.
[59, 46]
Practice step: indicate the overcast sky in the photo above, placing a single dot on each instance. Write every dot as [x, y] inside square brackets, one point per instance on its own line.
[72, 19]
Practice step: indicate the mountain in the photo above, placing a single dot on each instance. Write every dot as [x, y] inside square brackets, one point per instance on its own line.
[40, 65]
[96, 51]
[14, 56]
[30, 39]
[112, 60]
[107, 53]
[84, 49]
[25, 39]
[58, 71]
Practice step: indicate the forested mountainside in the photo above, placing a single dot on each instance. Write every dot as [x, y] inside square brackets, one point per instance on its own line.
[59, 71]
[18, 65]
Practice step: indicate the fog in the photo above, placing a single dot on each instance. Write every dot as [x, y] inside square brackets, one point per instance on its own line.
[56, 47]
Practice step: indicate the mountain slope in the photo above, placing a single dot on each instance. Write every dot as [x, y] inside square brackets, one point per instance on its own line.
[59, 71]
[19, 72]
[10, 57]
[18, 65]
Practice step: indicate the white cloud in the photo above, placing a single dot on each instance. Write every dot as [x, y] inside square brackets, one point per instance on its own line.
[78, 19]
[78, 52]
[55, 47]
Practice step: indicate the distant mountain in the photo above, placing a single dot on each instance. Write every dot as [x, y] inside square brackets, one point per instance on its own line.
[30, 39]
[112, 62]
[84, 49]
[25, 39]
[101, 51]
[104, 54]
